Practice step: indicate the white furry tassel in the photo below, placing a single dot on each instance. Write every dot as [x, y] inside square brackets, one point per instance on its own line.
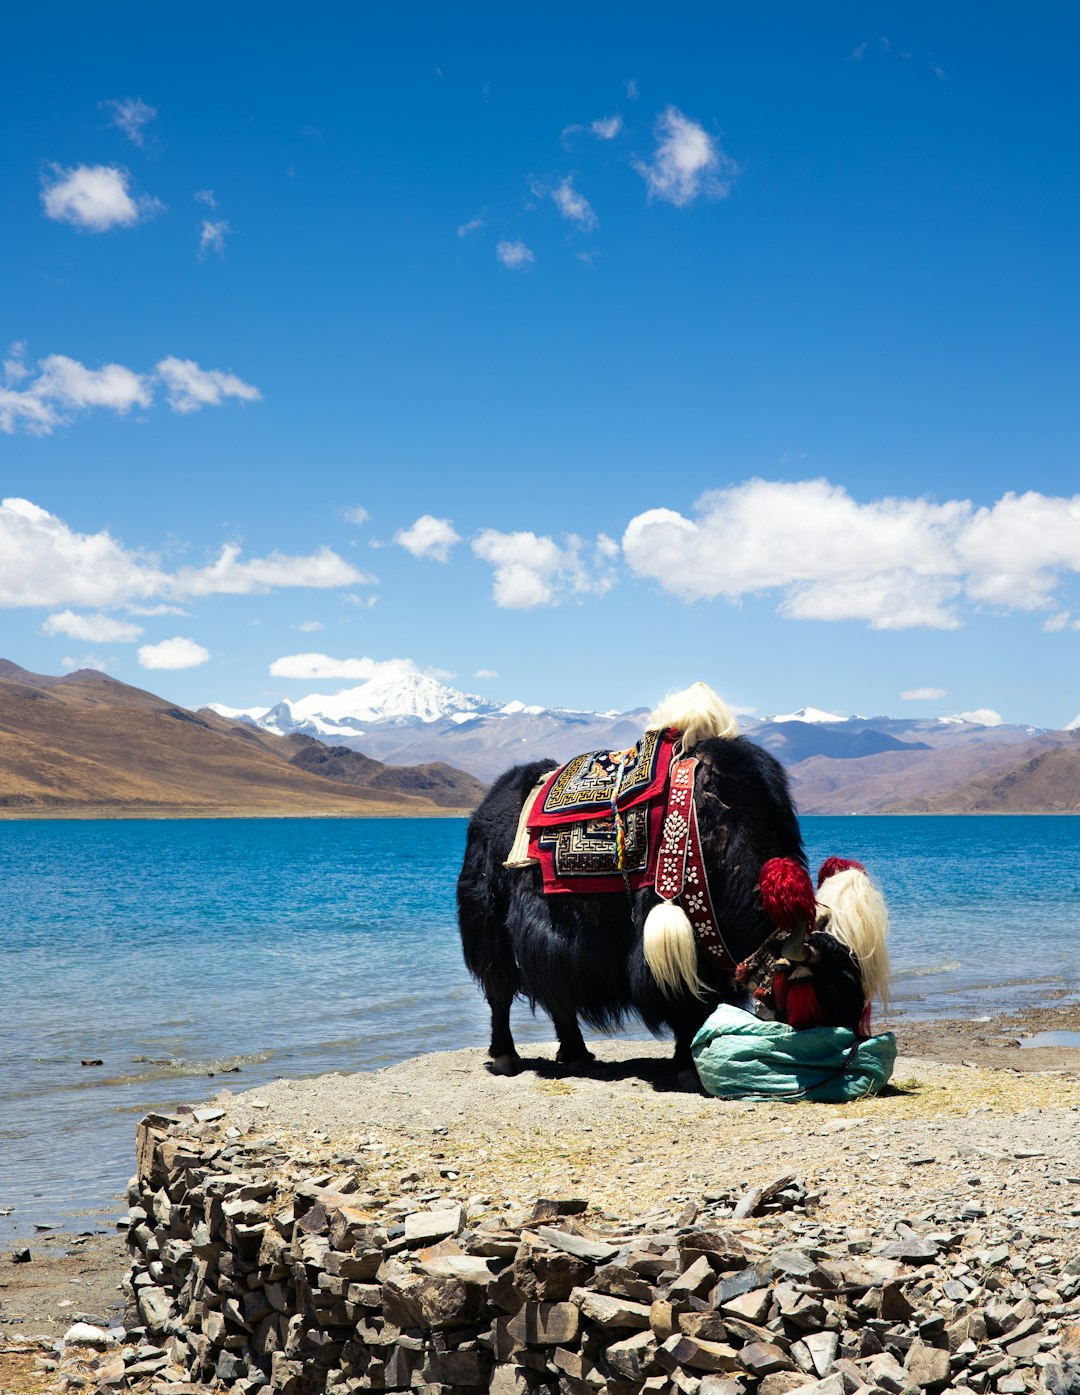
[671, 950]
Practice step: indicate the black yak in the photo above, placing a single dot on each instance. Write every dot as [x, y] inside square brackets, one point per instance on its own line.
[599, 957]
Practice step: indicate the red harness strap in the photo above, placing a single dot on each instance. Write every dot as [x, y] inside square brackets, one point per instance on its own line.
[680, 869]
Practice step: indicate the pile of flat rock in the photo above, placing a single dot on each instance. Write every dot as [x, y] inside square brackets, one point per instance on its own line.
[250, 1279]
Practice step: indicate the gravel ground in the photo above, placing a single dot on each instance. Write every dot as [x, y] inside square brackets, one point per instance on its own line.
[970, 1116]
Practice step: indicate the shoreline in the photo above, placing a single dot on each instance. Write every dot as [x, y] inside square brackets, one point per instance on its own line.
[187, 811]
[442, 1117]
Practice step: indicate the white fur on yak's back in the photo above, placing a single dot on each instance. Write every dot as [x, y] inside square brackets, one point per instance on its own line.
[859, 919]
[697, 712]
[671, 950]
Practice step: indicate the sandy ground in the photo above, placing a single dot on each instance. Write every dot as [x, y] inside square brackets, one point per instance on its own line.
[973, 1113]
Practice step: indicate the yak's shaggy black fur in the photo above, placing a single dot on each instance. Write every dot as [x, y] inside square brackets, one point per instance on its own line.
[580, 957]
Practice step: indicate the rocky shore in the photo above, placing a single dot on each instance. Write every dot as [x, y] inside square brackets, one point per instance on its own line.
[431, 1227]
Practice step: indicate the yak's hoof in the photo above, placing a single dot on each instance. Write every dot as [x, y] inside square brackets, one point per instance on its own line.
[510, 1064]
[581, 1064]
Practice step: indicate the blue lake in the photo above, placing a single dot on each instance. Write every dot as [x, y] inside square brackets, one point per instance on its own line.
[300, 946]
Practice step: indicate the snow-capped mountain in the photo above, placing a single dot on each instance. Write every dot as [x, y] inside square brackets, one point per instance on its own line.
[404, 717]
[807, 714]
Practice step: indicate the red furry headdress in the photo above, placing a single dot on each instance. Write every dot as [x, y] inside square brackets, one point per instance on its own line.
[787, 893]
[832, 865]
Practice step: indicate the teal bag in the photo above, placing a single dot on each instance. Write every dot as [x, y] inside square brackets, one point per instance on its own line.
[738, 1056]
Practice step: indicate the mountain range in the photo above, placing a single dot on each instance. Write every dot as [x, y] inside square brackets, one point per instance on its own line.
[85, 743]
[406, 743]
[837, 765]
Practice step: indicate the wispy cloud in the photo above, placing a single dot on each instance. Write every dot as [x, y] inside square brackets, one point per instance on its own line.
[94, 629]
[632, 93]
[130, 115]
[358, 515]
[206, 196]
[189, 387]
[46, 397]
[922, 694]
[316, 666]
[428, 537]
[212, 236]
[574, 206]
[606, 127]
[94, 198]
[514, 254]
[473, 225]
[44, 562]
[532, 570]
[687, 162]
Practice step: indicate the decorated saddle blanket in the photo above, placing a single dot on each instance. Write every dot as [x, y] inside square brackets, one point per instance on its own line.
[595, 824]
[648, 833]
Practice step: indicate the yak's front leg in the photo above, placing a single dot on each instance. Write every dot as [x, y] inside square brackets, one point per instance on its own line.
[574, 1056]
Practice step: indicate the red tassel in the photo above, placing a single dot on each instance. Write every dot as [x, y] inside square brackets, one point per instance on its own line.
[832, 865]
[864, 1021]
[803, 1008]
[787, 893]
[779, 993]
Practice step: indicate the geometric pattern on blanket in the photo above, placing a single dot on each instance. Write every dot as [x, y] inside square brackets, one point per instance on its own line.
[584, 787]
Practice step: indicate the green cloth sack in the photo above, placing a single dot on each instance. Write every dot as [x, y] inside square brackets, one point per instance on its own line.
[738, 1056]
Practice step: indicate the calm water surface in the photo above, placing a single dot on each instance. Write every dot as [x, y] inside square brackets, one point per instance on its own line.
[170, 949]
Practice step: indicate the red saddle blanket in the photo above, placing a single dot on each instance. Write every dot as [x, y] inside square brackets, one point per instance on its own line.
[596, 823]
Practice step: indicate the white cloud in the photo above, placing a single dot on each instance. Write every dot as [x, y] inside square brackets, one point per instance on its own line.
[532, 570]
[44, 399]
[574, 206]
[71, 665]
[632, 92]
[607, 127]
[922, 694]
[130, 115]
[686, 163]
[473, 225]
[895, 562]
[43, 562]
[70, 384]
[212, 237]
[891, 562]
[189, 387]
[153, 610]
[357, 515]
[94, 197]
[514, 254]
[309, 626]
[174, 653]
[229, 576]
[982, 716]
[428, 537]
[313, 666]
[485, 673]
[95, 629]
[15, 369]
[206, 196]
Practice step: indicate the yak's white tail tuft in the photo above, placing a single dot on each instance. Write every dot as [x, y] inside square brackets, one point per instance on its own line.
[698, 713]
[859, 919]
[671, 950]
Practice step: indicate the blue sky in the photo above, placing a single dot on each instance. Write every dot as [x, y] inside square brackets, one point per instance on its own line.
[736, 343]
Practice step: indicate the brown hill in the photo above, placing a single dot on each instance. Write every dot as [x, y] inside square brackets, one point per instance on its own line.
[86, 744]
[915, 780]
[1047, 782]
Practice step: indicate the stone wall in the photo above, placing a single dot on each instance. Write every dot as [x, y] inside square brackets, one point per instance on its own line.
[252, 1280]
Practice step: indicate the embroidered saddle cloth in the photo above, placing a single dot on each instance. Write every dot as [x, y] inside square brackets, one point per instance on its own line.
[649, 834]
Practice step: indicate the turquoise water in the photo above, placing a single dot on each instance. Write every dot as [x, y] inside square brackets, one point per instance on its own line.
[299, 946]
